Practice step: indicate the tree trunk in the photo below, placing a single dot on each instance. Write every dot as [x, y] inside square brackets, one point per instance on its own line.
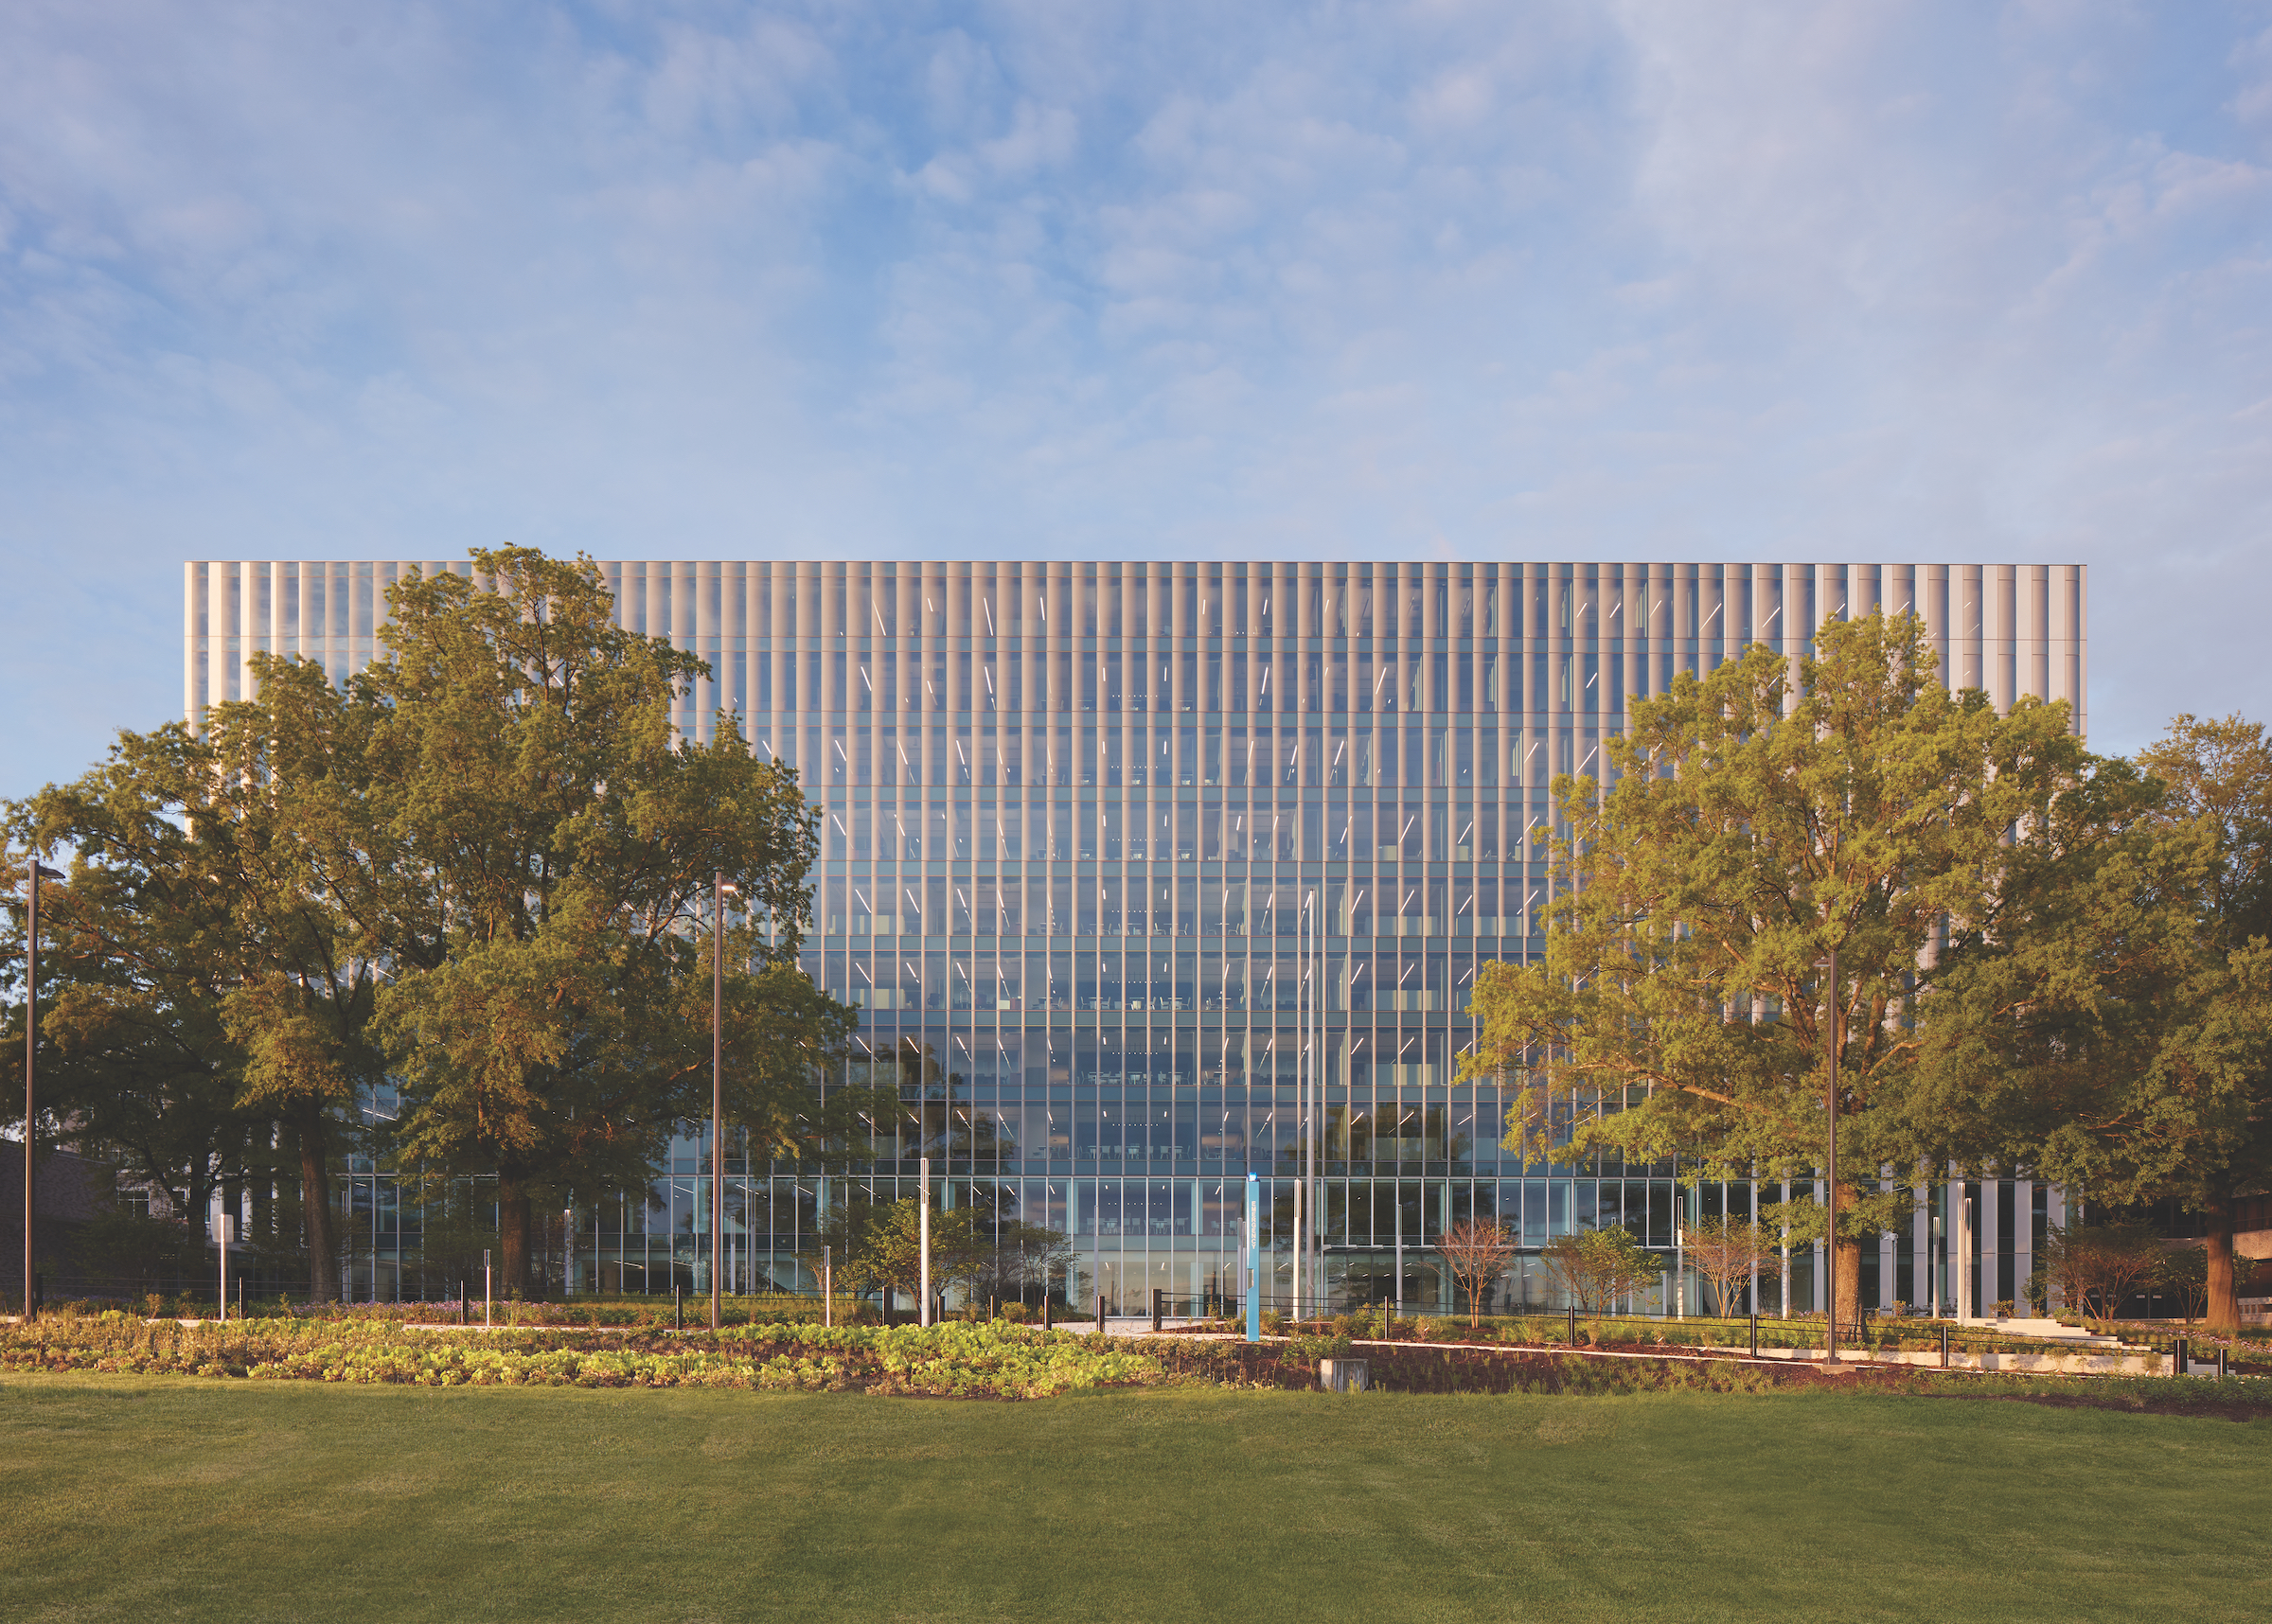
[2223, 1306]
[316, 1206]
[513, 1236]
[1846, 1275]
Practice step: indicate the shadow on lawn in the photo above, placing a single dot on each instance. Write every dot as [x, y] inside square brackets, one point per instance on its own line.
[1483, 1369]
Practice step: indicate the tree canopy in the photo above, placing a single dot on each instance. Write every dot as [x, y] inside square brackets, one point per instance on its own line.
[880, 1246]
[1762, 816]
[2108, 1026]
[479, 872]
[208, 984]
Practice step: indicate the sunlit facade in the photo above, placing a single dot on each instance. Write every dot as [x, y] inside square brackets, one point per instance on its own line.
[1079, 820]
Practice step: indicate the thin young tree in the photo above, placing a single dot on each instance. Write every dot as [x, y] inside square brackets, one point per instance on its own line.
[881, 1248]
[1014, 1258]
[1475, 1250]
[2101, 1264]
[1728, 1252]
[2185, 1275]
[1599, 1268]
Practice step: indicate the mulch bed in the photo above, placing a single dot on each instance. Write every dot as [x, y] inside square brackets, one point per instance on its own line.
[1496, 1367]
[1478, 1367]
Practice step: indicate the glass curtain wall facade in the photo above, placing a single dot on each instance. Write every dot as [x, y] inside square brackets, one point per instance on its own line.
[1170, 865]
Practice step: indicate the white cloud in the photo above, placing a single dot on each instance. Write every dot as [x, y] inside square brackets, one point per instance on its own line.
[1643, 278]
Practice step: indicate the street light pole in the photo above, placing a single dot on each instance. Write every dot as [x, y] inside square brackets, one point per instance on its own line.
[1830, 1242]
[1313, 1124]
[31, 1039]
[1396, 1196]
[719, 888]
[1316, 971]
[224, 1231]
[1301, 1114]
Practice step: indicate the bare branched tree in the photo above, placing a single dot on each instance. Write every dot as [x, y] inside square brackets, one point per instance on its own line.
[1728, 1252]
[2101, 1264]
[1475, 1252]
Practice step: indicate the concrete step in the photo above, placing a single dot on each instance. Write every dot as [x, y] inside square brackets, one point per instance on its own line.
[2050, 1329]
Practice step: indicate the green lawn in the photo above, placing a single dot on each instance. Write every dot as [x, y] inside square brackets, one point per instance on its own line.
[156, 1498]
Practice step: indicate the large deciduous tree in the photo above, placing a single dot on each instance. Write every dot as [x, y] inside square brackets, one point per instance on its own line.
[214, 985]
[532, 850]
[2109, 1022]
[2218, 775]
[481, 871]
[1761, 818]
[135, 1062]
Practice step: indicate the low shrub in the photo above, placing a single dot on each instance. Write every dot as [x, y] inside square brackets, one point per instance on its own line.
[951, 1360]
[987, 1360]
[632, 1313]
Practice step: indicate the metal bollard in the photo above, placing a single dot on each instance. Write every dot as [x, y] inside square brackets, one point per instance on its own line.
[1100, 1314]
[1573, 1325]
[464, 1307]
[1156, 1295]
[2179, 1363]
[1944, 1346]
[2221, 1364]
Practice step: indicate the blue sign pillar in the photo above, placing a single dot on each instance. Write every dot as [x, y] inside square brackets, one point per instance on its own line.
[1253, 1257]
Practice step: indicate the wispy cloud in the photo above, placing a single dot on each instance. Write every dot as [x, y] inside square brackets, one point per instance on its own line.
[1636, 278]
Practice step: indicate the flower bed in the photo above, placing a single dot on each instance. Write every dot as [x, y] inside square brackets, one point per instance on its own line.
[995, 1361]
[1691, 1336]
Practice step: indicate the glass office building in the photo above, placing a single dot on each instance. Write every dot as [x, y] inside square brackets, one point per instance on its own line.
[1168, 864]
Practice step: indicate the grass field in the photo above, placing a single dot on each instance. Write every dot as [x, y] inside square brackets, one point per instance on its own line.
[159, 1498]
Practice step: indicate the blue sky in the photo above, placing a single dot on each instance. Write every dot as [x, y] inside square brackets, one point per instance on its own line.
[1778, 281]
